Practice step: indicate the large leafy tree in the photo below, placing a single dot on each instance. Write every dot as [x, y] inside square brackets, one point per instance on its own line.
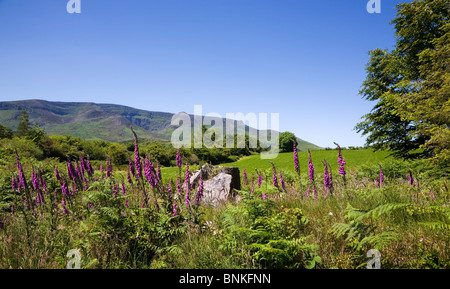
[396, 78]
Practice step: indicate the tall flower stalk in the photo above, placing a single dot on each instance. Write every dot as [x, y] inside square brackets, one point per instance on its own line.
[296, 165]
[341, 163]
[137, 160]
[274, 176]
[311, 175]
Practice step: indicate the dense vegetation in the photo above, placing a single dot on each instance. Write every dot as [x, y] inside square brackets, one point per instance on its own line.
[410, 85]
[288, 216]
[129, 204]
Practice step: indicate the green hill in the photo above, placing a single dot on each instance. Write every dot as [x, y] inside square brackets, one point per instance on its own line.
[87, 120]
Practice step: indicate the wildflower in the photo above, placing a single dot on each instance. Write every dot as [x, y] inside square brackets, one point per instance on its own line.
[199, 196]
[101, 168]
[70, 170]
[410, 178]
[169, 190]
[22, 180]
[178, 158]
[310, 168]
[244, 175]
[174, 206]
[149, 172]
[129, 177]
[131, 167]
[253, 184]
[296, 166]
[64, 206]
[123, 188]
[64, 188]
[108, 168]
[281, 181]
[326, 177]
[274, 177]
[158, 171]
[14, 184]
[264, 196]
[307, 191]
[137, 161]
[381, 176]
[57, 174]
[89, 167]
[186, 182]
[260, 178]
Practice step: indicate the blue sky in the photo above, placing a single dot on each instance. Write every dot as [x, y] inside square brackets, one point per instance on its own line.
[302, 59]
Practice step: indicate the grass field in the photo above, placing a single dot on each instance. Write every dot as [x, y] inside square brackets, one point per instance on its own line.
[285, 162]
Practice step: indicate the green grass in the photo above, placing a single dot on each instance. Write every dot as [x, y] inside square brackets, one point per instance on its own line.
[285, 162]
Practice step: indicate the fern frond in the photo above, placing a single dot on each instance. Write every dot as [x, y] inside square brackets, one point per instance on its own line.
[435, 225]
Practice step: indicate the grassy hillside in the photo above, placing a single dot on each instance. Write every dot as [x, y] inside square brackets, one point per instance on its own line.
[108, 122]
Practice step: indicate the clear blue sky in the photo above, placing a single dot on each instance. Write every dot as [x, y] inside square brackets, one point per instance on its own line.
[302, 59]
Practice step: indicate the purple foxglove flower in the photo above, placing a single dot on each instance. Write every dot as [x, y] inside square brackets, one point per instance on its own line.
[244, 175]
[274, 176]
[108, 168]
[178, 186]
[131, 167]
[381, 176]
[34, 180]
[129, 177]
[22, 179]
[253, 184]
[169, 190]
[307, 192]
[178, 158]
[64, 189]
[377, 183]
[137, 160]
[174, 206]
[260, 179]
[310, 168]
[89, 167]
[264, 196]
[199, 196]
[158, 171]
[123, 188]
[410, 178]
[78, 170]
[14, 184]
[281, 181]
[187, 178]
[149, 172]
[296, 166]
[70, 170]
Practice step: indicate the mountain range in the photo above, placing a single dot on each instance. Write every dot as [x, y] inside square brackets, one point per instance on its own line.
[88, 120]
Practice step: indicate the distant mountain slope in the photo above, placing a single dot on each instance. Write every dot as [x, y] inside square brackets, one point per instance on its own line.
[95, 121]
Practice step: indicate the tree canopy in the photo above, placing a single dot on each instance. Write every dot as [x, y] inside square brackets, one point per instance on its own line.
[410, 85]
